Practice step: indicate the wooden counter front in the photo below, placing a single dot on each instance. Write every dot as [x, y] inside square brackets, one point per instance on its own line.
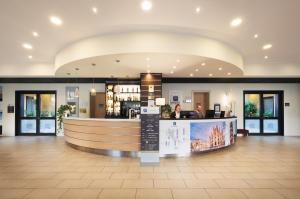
[104, 134]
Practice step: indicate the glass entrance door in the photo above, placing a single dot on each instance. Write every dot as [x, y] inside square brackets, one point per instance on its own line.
[35, 112]
[263, 112]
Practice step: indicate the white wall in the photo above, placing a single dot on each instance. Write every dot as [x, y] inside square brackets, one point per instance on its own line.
[235, 92]
[217, 91]
[8, 127]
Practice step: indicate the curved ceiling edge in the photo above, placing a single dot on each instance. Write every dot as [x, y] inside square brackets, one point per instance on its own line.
[148, 42]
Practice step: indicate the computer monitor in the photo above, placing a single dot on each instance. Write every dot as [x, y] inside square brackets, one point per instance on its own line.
[222, 114]
[209, 114]
[185, 114]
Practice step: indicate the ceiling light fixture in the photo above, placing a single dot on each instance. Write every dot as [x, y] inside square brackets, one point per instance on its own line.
[203, 64]
[35, 34]
[172, 72]
[191, 74]
[267, 46]
[197, 70]
[56, 20]
[27, 46]
[147, 59]
[30, 57]
[148, 71]
[210, 74]
[255, 36]
[95, 10]
[220, 69]
[146, 5]
[174, 67]
[228, 74]
[178, 60]
[266, 57]
[236, 22]
[198, 10]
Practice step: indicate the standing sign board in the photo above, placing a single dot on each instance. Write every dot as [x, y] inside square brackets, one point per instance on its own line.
[149, 135]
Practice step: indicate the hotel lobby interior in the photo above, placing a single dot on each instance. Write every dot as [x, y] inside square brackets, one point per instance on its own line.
[154, 99]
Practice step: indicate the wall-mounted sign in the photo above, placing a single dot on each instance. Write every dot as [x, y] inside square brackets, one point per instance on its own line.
[10, 109]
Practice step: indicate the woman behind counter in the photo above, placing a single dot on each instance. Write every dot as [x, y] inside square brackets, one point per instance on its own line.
[176, 113]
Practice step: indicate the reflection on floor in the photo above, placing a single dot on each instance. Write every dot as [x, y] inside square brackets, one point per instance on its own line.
[45, 167]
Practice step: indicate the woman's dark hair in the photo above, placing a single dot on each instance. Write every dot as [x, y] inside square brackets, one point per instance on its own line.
[176, 106]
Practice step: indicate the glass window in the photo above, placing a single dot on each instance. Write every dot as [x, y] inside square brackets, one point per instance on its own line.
[28, 126]
[47, 126]
[270, 105]
[253, 126]
[47, 108]
[28, 105]
[270, 126]
[252, 105]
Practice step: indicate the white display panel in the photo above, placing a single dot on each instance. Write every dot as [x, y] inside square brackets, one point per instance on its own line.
[174, 137]
[181, 137]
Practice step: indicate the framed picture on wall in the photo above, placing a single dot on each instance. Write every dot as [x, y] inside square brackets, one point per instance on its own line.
[72, 99]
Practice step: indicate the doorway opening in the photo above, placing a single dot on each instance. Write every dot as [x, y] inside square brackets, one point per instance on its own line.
[35, 113]
[97, 105]
[202, 99]
[263, 112]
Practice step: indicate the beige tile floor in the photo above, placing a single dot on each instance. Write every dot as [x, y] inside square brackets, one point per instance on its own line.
[45, 167]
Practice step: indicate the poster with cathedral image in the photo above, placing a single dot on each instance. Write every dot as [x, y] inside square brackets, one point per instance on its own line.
[208, 135]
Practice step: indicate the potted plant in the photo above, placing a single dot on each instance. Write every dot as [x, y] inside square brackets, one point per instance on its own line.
[166, 111]
[62, 110]
[250, 110]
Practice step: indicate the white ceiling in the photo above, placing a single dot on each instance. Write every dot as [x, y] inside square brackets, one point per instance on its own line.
[276, 22]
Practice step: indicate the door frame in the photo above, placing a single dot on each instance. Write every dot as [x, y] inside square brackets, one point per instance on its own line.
[18, 94]
[200, 91]
[280, 111]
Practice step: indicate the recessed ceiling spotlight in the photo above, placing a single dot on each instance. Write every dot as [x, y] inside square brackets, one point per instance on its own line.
[228, 74]
[35, 34]
[198, 10]
[197, 70]
[95, 10]
[220, 69]
[191, 75]
[267, 46]
[27, 46]
[30, 57]
[174, 67]
[210, 74]
[147, 59]
[203, 64]
[178, 60]
[172, 72]
[236, 22]
[148, 71]
[146, 5]
[56, 20]
[255, 36]
[266, 57]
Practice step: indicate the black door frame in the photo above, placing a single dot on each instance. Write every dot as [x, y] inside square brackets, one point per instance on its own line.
[37, 118]
[280, 111]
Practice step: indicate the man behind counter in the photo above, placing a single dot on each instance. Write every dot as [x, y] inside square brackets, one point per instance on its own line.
[199, 112]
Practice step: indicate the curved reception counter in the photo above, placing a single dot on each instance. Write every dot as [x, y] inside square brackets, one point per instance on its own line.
[176, 137]
[103, 134]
